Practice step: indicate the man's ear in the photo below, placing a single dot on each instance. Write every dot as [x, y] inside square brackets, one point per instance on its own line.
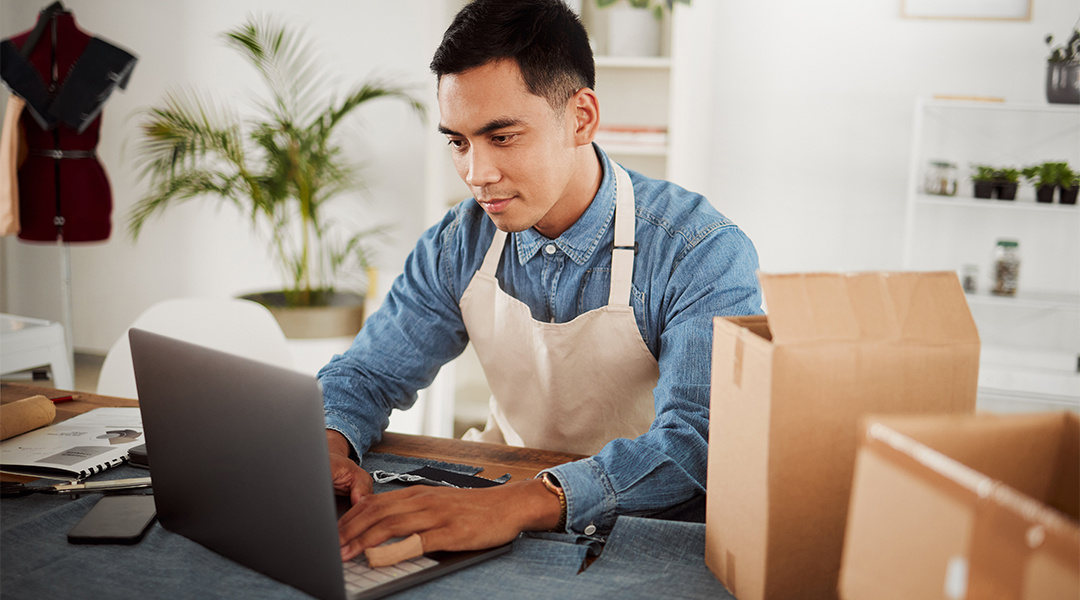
[585, 107]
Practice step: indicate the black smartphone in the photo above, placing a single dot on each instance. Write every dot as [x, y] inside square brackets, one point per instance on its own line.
[137, 457]
[115, 520]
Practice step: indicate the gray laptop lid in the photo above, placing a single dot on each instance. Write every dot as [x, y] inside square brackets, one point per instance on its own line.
[239, 460]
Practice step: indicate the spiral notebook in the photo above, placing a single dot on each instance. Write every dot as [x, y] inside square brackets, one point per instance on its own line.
[76, 448]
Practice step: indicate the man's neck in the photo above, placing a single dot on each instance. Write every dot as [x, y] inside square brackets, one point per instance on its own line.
[580, 193]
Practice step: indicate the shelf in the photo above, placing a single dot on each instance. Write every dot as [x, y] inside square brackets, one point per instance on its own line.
[1003, 106]
[1037, 300]
[632, 62]
[626, 150]
[995, 204]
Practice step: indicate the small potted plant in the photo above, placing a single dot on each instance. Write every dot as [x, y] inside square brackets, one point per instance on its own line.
[984, 181]
[1005, 183]
[634, 25]
[1063, 70]
[1069, 182]
[1045, 177]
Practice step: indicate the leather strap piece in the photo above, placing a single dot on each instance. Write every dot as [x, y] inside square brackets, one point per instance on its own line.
[61, 154]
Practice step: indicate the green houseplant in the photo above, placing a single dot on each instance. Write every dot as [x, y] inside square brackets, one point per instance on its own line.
[1046, 178]
[656, 6]
[983, 178]
[282, 167]
[1006, 181]
[1063, 70]
[1069, 183]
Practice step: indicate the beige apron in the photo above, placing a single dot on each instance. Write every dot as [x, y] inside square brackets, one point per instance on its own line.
[563, 386]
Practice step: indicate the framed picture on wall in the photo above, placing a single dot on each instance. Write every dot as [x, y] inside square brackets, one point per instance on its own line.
[1005, 10]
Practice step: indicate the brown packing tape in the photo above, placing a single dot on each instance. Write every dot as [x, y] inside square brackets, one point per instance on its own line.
[24, 415]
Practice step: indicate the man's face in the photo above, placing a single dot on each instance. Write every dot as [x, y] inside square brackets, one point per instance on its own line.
[516, 153]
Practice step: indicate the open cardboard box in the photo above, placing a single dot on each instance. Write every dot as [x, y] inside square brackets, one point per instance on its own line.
[788, 393]
[979, 506]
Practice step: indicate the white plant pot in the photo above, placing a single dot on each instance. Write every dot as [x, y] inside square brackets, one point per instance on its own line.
[632, 31]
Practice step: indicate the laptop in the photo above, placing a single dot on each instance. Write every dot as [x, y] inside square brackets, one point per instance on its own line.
[238, 456]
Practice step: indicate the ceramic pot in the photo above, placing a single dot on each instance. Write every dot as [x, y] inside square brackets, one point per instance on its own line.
[984, 189]
[632, 31]
[1063, 82]
[1005, 191]
[1068, 195]
[339, 314]
[1045, 193]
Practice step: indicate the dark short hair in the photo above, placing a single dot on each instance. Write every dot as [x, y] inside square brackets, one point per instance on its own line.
[544, 37]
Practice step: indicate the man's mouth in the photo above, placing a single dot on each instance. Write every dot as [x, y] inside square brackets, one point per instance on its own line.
[494, 205]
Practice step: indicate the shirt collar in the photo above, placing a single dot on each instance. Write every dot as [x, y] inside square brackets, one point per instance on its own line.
[583, 237]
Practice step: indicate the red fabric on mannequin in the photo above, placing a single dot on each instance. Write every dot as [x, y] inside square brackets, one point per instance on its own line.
[85, 199]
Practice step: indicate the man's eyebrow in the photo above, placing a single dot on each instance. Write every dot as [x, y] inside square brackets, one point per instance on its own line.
[493, 125]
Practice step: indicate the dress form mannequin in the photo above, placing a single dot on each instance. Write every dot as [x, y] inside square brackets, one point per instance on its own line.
[65, 78]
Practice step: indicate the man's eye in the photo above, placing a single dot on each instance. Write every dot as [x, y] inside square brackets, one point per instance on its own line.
[455, 143]
[501, 139]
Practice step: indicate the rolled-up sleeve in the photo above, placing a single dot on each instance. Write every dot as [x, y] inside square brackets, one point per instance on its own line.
[401, 347]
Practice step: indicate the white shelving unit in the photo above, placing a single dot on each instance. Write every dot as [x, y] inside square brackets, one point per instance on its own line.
[1030, 342]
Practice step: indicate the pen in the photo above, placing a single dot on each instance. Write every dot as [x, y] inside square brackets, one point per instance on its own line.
[99, 486]
[62, 399]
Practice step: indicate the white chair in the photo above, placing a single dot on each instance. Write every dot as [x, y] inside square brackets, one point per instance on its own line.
[240, 327]
[28, 343]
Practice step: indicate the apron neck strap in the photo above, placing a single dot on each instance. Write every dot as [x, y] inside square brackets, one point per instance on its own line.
[494, 253]
[622, 256]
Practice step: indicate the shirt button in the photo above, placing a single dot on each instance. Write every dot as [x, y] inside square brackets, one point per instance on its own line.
[550, 248]
[590, 529]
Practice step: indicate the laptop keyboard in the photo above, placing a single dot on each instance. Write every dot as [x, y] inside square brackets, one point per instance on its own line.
[360, 577]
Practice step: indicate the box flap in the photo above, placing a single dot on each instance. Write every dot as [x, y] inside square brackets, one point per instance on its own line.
[920, 307]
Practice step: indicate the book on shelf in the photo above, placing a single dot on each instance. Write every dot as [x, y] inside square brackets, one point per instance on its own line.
[631, 135]
[77, 447]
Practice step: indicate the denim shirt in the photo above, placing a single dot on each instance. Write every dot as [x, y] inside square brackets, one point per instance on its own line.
[692, 264]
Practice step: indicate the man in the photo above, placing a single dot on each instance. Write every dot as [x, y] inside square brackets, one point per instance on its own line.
[587, 291]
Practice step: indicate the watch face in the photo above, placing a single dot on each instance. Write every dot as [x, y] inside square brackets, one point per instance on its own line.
[550, 480]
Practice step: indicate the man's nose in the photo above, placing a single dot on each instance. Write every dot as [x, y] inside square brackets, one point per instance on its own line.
[482, 168]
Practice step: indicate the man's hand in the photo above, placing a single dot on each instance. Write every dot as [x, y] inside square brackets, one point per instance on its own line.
[448, 518]
[347, 476]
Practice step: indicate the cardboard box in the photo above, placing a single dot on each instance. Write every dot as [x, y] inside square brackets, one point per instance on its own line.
[788, 393]
[981, 506]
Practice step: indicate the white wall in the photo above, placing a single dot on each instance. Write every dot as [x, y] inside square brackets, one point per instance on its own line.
[808, 146]
[200, 248]
[814, 102]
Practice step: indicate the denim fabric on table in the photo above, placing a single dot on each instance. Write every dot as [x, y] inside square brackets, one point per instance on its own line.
[693, 264]
[643, 558]
[38, 562]
[16, 510]
[648, 559]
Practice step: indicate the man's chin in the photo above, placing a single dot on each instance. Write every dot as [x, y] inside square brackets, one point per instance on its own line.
[508, 225]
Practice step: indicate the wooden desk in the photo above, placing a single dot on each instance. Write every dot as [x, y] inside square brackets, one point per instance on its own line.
[496, 459]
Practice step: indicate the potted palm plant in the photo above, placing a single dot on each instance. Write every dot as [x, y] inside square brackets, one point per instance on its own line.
[282, 167]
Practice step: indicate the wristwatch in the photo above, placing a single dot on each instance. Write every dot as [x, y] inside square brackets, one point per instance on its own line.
[553, 486]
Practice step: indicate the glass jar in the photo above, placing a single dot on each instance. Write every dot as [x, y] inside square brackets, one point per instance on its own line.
[970, 279]
[1006, 267]
[940, 179]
